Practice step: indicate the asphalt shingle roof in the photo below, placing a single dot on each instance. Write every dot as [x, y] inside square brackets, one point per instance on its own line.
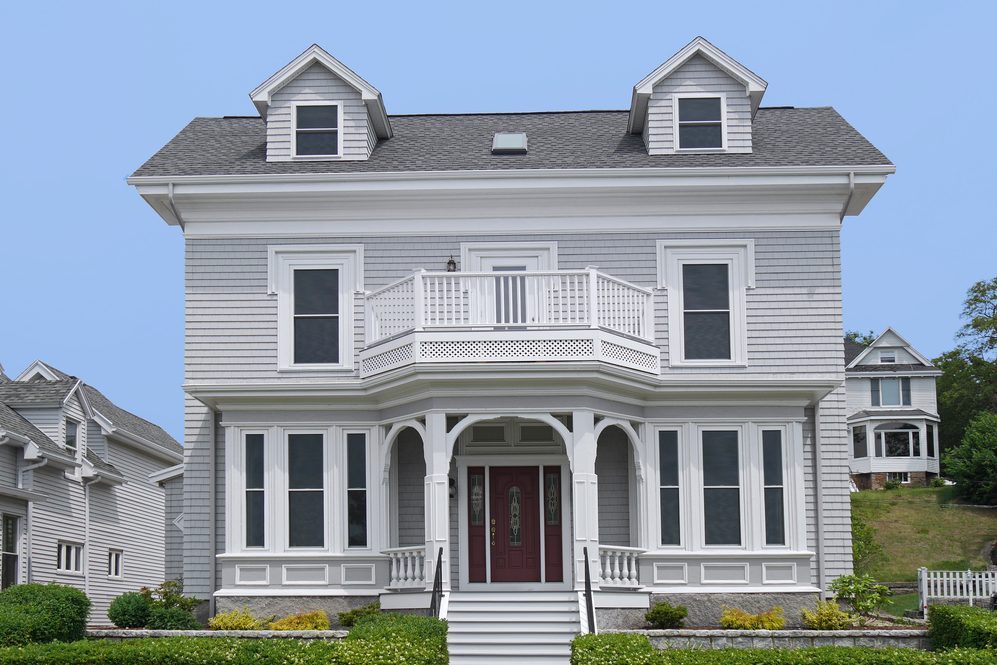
[557, 140]
[100, 465]
[898, 413]
[129, 422]
[38, 392]
[888, 368]
[852, 351]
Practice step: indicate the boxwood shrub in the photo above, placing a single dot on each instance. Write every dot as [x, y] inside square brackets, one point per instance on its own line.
[130, 610]
[962, 626]
[171, 618]
[42, 613]
[614, 648]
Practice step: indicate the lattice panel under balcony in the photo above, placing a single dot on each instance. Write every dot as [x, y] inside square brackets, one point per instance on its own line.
[485, 350]
[400, 355]
[630, 357]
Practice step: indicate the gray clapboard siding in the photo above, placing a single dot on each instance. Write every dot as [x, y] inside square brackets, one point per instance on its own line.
[612, 466]
[411, 468]
[697, 75]
[835, 475]
[318, 84]
[60, 517]
[47, 419]
[9, 457]
[923, 394]
[173, 488]
[96, 441]
[199, 433]
[793, 314]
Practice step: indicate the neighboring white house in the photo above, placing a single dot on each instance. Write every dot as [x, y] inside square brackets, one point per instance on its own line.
[78, 501]
[892, 412]
[522, 347]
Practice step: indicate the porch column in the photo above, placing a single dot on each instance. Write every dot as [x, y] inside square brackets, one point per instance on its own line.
[437, 493]
[585, 497]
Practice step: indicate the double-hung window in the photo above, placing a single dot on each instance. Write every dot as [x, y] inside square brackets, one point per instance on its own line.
[316, 130]
[10, 569]
[721, 487]
[69, 557]
[774, 487]
[706, 282]
[668, 480]
[72, 434]
[860, 445]
[930, 436]
[315, 286]
[306, 490]
[700, 122]
[254, 456]
[356, 489]
[891, 392]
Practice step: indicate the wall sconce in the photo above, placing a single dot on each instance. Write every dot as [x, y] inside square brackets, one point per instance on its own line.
[451, 265]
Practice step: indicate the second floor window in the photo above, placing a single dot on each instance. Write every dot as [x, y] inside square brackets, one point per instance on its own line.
[706, 311]
[891, 392]
[700, 123]
[316, 131]
[72, 431]
[316, 317]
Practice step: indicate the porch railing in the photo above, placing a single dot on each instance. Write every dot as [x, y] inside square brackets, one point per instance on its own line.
[407, 567]
[480, 300]
[618, 566]
[967, 585]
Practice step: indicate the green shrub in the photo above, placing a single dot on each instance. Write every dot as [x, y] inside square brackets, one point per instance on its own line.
[405, 627]
[860, 593]
[317, 620]
[170, 594]
[961, 626]
[973, 463]
[236, 620]
[130, 610]
[735, 619]
[937, 482]
[348, 619]
[827, 616]
[42, 613]
[613, 649]
[171, 618]
[865, 549]
[665, 615]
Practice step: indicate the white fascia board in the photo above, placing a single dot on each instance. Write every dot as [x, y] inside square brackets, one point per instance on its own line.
[754, 84]
[914, 373]
[37, 367]
[135, 441]
[316, 54]
[169, 473]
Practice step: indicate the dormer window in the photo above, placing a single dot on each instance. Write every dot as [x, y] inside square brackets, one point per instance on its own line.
[316, 130]
[887, 357]
[72, 429]
[700, 123]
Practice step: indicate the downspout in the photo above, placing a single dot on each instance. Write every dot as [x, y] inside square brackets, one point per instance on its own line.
[28, 518]
[844, 210]
[212, 526]
[86, 534]
[819, 508]
[173, 206]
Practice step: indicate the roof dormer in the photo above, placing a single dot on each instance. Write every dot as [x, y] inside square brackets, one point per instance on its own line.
[699, 100]
[318, 109]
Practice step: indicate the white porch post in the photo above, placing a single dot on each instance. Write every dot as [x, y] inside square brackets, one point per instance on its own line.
[437, 492]
[585, 497]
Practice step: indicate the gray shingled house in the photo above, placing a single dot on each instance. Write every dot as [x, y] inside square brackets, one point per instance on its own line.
[88, 491]
[504, 352]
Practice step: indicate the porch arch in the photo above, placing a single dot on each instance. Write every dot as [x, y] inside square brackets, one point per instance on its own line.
[620, 484]
[392, 436]
[474, 418]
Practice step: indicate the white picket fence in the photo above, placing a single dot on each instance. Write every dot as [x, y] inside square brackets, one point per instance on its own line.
[972, 586]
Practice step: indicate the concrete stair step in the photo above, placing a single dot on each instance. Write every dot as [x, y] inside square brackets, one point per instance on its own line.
[457, 627]
[486, 615]
[527, 650]
[512, 607]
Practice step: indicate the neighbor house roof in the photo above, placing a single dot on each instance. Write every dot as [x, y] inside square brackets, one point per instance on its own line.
[894, 413]
[781, 137]
[889, 368]
[852, 350]
[129, 422]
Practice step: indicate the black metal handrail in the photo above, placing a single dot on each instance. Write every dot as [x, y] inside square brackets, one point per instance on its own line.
[436, 600]
[589, 609]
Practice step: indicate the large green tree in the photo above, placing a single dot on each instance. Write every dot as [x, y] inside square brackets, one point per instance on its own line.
[979, 335]
[973, 463]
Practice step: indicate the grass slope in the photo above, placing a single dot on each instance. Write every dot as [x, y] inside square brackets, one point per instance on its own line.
[914, 530]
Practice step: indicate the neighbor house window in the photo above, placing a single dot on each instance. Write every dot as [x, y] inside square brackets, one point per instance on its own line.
[255, 490]
[898, 477]
[775, 506]
[314, 285]
[306, 490]
[356, 489]
[887, 356]
[668, 479]
[891, 392]
[931, 440]
[10, 569]
[706, 282]
[700, 123]
[114, 563]
[72, 432]
[860, 447]
[897, 440]
[316, 130]
[69, 557]
[721, 487]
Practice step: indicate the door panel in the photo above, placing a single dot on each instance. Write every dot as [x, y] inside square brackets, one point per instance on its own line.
[553, 519]
[515, 528]
[476, 528]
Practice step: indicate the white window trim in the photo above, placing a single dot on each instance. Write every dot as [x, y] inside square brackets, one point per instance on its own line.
[739, 255]
[723, 119]
[63, 547]
[339, 131]
[471, 253]
[79, 435]
[910, 443]
[282, 261]
[121, 563]
[344, 483]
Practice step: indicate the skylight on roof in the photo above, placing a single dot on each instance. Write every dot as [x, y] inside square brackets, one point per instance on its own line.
[509, 143]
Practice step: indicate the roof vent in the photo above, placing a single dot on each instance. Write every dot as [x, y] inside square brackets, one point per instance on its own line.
[509, 143]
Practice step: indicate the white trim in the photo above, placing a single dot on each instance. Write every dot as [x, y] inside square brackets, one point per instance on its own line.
[242, 569]
[37, 367]
[471, 253]
[732, 564]
[111, 553]
[357, 566]
[298, 592]
[683, 566]
[321, 567]
[734, 589]
[283, 260]
[169, 473]
[765, 572]
[333, 156]
[677, 121]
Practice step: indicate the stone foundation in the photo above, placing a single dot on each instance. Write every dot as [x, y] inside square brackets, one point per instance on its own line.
[785, 639]
[281, 606]
[705, 608]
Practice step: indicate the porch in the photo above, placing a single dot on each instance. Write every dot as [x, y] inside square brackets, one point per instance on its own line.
[509, 316]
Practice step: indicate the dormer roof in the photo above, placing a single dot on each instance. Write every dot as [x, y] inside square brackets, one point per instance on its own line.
[754, 84]
[315, 54]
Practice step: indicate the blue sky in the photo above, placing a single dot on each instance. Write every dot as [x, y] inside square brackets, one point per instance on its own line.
[93, 279]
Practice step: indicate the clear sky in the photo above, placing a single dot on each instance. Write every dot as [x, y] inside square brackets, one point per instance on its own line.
[92, 279]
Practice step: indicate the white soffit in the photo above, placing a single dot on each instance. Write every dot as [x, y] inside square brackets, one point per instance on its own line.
[754, 84]
[316, 54]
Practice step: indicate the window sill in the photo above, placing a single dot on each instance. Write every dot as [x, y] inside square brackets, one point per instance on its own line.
[695, 150]
[316, 368]
[315, 158]
[708, 363]
[69, 573]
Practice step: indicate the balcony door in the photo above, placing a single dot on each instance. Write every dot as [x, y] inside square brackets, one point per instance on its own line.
[515, 297]
[508, 299]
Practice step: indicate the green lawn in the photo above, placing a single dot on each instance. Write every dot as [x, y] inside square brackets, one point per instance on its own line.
[901, 603]
[914, 530]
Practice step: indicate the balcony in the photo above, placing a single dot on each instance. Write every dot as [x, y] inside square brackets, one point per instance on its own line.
[509, 317]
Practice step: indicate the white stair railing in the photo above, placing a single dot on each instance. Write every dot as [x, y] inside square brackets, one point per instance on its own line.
[407, 567]
[618, 566]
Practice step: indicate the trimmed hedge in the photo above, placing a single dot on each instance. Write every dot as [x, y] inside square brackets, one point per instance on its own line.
[962, 626]
[130, 610]
[42, 613]
[614, 648]
[171, 618]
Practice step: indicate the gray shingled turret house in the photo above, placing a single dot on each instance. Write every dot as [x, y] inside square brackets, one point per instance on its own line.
[84, 488]
[515, 348]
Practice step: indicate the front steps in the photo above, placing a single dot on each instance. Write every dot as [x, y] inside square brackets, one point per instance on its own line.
[493, 627]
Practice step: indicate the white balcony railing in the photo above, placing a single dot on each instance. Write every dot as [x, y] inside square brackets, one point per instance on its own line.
[510, 300]
[407, 567]
[618, 566]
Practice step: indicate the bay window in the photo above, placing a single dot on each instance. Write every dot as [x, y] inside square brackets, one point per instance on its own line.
[898, 440]
[774, 488]
[668, 480]
[860, 446]
[253, 464]
[721, 487]
[305, 490]
[356, 489]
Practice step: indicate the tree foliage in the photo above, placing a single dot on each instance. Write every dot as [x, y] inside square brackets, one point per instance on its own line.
[973, 463]
[979, 334]
[967, 387]
[863, 338]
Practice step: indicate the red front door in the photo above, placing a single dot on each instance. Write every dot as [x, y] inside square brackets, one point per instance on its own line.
[514, 532]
